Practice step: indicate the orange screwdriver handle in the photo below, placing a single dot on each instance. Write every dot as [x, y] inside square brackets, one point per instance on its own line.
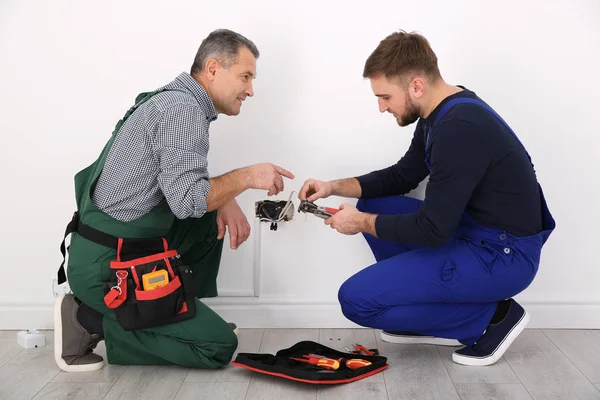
[328, 363]
[356, 363]
[323, 362]
[320, 361]
[332, 364]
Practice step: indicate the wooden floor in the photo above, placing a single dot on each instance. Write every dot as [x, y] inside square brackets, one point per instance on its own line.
[541, 364]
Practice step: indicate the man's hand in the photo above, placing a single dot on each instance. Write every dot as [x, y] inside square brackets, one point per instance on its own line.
[269, 177]
[226, 187]
[350, 221]
[313, 190]
[230, 215]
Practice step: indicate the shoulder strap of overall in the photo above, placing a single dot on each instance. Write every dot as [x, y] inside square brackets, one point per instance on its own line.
[86, 231]
[139, 100]
[454, 102]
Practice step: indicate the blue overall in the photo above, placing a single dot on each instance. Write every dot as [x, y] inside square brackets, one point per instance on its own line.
[450, 291]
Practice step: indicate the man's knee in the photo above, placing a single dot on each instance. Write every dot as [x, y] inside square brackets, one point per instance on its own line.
[216, 354]
[354, 304]
[361, 205]
[228, 347]
[389, 205]
[373, 205]
[377, 205]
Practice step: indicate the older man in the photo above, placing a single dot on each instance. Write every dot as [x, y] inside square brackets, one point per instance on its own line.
[151, 181]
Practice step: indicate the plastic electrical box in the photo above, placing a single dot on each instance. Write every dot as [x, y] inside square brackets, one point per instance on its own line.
[31, 338]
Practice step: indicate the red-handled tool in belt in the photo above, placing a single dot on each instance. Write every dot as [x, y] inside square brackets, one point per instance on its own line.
[311, 208]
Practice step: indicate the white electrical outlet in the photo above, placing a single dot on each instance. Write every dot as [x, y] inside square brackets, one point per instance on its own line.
[31, 338]
[60, 289]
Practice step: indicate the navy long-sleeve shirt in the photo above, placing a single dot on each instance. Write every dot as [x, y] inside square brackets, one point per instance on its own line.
[477, 166]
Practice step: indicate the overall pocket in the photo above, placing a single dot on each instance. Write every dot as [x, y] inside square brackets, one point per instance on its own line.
[490, 255]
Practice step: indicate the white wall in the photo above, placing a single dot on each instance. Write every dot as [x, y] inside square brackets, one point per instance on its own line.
[69, 70]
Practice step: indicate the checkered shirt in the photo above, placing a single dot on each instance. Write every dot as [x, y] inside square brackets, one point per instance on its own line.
[160, 152]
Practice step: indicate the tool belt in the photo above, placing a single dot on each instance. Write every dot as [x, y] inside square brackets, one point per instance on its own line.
[149, 285]
[314, 363]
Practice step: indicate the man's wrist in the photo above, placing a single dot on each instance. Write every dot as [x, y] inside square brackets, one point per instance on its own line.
[229, 202]
[244, 178]
[335, 188]
[369, 224]
[348, 187]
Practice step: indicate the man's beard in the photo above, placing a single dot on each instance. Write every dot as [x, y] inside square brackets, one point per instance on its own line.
[411, 114]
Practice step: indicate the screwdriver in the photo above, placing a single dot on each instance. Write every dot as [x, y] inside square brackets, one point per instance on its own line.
[319, 361]
[332, 364]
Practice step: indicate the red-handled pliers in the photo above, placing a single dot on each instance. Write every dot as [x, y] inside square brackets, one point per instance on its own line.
[321, 212]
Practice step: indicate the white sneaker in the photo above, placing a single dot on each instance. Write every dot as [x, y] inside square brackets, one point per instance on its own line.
[405, 337]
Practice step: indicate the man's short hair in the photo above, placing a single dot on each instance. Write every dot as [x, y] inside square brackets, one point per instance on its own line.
[400, 55]
[224, 45]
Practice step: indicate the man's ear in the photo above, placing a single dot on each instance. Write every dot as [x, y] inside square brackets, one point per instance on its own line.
[417, 86]
[211, 66]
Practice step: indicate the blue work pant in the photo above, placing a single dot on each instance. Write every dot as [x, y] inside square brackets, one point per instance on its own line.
[450, 291]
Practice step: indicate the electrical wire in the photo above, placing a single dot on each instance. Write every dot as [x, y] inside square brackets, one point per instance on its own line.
[281, 213]
[269, 218]
[287, 206]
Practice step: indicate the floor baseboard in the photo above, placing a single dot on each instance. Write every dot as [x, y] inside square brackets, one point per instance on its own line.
[251, 312]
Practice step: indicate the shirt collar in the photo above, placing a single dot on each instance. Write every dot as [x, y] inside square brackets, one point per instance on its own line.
[432, 116]
[199, 93]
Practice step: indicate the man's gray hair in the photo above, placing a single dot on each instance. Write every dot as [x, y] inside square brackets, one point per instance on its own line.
[224, 45]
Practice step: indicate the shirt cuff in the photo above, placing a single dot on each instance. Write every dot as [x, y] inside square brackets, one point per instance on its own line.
[201, 191]
[370, 185]
[385, 227]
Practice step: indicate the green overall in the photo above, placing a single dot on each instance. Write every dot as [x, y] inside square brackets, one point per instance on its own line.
[205, 341]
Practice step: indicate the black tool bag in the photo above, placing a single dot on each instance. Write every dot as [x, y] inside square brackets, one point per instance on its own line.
[141, 261]
[137, 308]
[282, 365]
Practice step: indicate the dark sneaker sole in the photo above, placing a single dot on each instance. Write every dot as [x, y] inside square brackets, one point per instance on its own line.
[408, 339]
[58, 344]
[500, 350]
